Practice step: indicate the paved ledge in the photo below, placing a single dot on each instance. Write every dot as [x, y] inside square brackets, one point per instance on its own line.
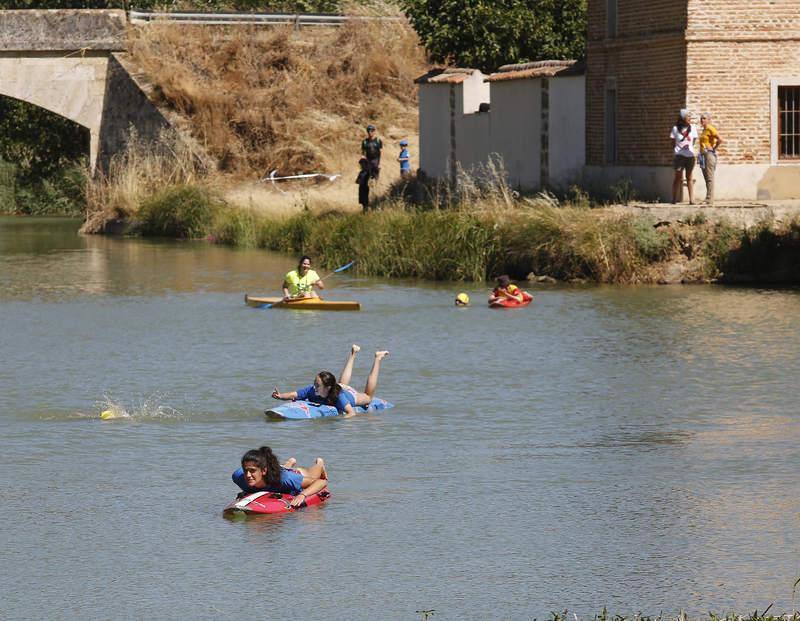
[66, 30]
[738, 213]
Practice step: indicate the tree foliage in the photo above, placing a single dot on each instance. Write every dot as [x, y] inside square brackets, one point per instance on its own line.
[38, 142]
[485, 34]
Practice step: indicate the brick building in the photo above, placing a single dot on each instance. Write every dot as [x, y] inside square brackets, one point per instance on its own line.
[738, 60]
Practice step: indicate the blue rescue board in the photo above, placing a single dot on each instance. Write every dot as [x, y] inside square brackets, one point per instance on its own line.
[305, 409]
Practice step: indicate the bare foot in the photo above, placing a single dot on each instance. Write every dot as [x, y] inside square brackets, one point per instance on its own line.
[290, 463]
[318, 461]
[355, 349]
[379, 355]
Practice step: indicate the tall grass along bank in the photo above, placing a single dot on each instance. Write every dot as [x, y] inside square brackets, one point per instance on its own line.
[477, 241]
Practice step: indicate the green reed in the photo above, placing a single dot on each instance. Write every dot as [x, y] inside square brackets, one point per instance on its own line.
[472, 244]
[477, 239]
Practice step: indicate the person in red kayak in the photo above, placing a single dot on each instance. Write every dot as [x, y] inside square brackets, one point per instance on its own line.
[506, 290]
[260, 472]
[327, 391]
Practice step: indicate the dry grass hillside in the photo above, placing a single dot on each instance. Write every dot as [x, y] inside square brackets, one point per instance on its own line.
[261, 98]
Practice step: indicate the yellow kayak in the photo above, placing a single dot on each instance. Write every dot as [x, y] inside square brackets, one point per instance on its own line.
[303, 303]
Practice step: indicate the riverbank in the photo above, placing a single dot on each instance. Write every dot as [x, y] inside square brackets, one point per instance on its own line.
[490, 231]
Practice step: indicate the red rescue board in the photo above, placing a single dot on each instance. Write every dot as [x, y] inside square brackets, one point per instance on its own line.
[527, 298]
[262, 503]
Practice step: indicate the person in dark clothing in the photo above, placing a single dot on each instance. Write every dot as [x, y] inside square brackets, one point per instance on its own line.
[371, 148]
[363, 184]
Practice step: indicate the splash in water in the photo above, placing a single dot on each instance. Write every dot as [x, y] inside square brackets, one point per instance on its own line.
[151, 407]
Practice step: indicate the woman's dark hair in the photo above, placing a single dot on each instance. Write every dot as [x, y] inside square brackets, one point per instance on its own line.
[300, 262]
[265, 459]
[503, 280]
[328, 379]
[681, 122]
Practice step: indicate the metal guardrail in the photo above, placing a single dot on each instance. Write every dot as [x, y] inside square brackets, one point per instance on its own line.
[266, 19]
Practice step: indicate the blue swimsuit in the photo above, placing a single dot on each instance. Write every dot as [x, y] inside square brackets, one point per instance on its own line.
[291, 483]
[346, 396]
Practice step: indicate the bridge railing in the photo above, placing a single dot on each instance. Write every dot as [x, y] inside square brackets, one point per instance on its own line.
[267, 19]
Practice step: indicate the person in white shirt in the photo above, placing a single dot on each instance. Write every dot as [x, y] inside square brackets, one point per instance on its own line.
[684, 136]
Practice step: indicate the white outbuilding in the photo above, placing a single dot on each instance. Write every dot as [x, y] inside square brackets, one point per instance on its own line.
[531, 116]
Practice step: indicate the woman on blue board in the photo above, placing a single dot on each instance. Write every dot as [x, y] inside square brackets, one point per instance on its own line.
[327, 391]
[260, 472]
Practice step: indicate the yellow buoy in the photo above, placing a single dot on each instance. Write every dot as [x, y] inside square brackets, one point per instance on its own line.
[107, 415]
[462, 299]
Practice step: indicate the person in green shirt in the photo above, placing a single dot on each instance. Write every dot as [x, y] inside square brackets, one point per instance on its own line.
[300, 282]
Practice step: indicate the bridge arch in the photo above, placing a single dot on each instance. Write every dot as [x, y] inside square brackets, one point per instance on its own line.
[68, 62]
[72, 87]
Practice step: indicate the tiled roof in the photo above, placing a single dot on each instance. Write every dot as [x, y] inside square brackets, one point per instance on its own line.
[540, 69]
[451, 75]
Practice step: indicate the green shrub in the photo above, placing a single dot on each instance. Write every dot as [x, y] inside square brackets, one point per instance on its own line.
[237, 227]
[652, 244]
[185, 211]
[623, 191]
[8, 178]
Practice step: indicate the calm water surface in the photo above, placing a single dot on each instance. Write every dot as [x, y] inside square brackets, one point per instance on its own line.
[635, 448]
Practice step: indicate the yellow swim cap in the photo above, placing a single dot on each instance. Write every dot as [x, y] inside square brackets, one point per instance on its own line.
[107, 414]
[462, 299]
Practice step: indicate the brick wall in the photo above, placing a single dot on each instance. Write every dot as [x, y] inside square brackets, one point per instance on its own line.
[734, 49]
[744, 19]
[648, 61]
[721, 63]
[638, 17]
[732, 83]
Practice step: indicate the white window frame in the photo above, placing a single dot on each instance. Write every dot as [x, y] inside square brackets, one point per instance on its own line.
[774, 143]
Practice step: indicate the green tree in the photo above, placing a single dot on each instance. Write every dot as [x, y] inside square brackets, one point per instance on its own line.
[38, 142]
[485, 34]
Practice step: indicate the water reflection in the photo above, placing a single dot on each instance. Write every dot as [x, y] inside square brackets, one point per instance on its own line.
[629, 447]
[50, 261]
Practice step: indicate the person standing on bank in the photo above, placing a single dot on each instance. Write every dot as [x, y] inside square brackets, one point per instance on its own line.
[371, 148]
[683, 135]
[404, 158]
[300, 282]
[709, 143]
[363, 184]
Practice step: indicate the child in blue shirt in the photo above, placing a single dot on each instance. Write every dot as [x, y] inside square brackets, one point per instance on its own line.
[404, 158]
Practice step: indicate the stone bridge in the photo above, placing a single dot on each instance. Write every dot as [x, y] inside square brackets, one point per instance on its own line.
[71, 63]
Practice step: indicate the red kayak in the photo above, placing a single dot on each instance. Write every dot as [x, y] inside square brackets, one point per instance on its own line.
[261, 503]
[527, 298]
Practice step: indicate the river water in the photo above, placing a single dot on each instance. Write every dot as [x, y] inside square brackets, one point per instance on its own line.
[628, 447]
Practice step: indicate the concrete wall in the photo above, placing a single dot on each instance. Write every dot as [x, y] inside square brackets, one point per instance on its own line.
[733, 181]
[516, 130]
[512, 130]
[125, 106]
[473, 140]
[651, 183]
[450, 127]
[434, 128]
[567, 131]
